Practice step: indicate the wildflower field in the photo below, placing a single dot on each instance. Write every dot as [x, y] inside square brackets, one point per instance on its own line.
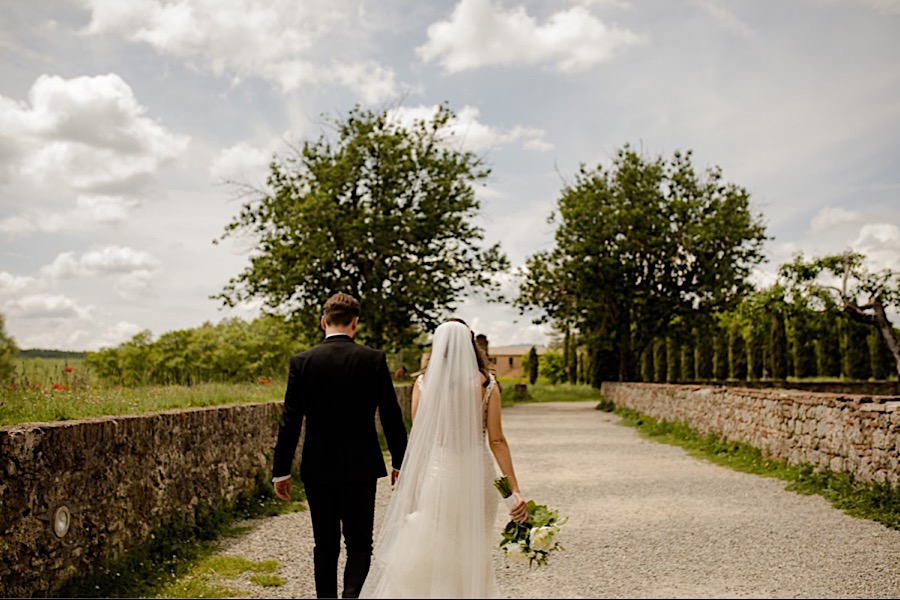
[51, 389]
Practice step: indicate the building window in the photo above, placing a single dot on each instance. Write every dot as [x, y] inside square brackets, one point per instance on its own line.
[510, 361]
[493, 360]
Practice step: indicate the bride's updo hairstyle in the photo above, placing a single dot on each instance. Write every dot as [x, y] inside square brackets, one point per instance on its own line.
[479, 355]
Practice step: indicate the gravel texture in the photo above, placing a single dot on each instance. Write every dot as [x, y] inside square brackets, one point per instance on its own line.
[645, 521]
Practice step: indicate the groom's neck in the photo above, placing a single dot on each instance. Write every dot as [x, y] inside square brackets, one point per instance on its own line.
[332, 330]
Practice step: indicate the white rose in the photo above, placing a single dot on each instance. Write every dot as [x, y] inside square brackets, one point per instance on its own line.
[542, 538]
[516, 553]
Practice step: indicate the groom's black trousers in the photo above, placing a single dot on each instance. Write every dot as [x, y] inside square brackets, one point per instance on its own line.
[332, 505]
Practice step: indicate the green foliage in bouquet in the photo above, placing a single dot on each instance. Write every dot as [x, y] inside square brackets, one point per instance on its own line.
[533, 540]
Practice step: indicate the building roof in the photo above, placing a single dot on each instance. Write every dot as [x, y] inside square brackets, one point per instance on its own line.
[518, 350]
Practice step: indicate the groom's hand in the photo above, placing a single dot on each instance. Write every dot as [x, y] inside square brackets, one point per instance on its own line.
[395, 474]
[283, 489]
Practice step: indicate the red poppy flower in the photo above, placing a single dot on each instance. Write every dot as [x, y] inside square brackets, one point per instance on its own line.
[68, 369]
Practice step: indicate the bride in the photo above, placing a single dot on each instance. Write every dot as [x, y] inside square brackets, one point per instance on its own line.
[438, 532]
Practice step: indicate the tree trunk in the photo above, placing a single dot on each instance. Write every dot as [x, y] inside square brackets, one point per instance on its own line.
[891, 339]
[880, 321]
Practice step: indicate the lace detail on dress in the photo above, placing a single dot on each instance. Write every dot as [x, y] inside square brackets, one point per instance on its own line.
[492, 381]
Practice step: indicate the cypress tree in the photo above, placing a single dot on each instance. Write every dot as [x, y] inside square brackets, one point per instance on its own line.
[647, 363]
[778, 366]
[660, 366]
[703, 355]
[532, 365]
[882, 362]
[687, 362]
[737, 352]
[803, 346]
[828, 347]
[720, 354]
[573, 359]
[856, 363]
[673, 360]
[756, 352]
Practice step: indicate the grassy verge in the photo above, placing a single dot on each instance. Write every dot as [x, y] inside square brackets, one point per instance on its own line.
[547, 392]
[873, 501]
[39, 403]
[178, 561]
[210, 577]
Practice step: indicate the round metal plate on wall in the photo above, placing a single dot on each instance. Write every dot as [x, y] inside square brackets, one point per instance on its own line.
[62, 518]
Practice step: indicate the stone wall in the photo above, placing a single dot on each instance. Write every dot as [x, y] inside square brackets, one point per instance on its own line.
[857, 388]
[117, 479]
[855, 434]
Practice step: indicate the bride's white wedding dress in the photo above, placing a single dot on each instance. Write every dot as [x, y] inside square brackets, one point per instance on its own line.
[437, 537]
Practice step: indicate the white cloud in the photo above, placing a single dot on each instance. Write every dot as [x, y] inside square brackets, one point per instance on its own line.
[480, 34]
[45, 306]
[133, 270]
[884, 7]
[18, 226]
[14, 284]
[274, 40]
[86, 133]
[880, 243]
[71, 333]
[727, 18]
[88, 212]
[370, 80]
[64, 266]
[105, 209]
[115, 334]
[831, 216]
[112, 260]
[471, 133]
[240, 161]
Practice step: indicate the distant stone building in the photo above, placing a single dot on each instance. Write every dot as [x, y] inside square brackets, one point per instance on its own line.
[507, 360]
[503, 361]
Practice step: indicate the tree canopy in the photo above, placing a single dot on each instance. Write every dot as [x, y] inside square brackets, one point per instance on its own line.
[383, 212]
[844, 282]
[8, 352]
[643, 248]
[233, 350]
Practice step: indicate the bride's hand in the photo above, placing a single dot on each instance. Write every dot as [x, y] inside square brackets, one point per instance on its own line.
[519, 513]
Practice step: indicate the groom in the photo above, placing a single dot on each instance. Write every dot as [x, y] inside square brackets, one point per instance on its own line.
[337, 386]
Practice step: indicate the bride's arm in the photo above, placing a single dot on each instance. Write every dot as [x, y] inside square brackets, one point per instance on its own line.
[500, 449]
[416, 392]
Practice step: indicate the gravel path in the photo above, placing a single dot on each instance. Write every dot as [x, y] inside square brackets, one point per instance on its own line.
[646, 521]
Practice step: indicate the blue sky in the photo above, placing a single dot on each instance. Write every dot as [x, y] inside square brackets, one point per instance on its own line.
[120, 121]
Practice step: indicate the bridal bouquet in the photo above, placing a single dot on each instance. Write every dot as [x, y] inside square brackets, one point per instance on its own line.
[533, 540]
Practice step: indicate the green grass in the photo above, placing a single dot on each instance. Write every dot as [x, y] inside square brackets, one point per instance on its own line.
[204, 579]
[543, 391]
[50, 404]
[180, 559]
[47, 369]
[268, 580]
[878, 502]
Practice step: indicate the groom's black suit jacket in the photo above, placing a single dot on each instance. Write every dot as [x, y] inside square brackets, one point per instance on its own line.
[337, 387]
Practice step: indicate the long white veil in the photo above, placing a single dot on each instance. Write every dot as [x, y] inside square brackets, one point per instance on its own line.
[434, 541]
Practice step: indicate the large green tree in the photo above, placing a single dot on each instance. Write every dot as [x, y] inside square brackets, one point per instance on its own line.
[846, 283]
[384, 212]
[8, 352]
[643, 248]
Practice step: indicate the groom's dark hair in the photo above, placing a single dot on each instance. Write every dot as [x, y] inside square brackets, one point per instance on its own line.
[341, 309]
